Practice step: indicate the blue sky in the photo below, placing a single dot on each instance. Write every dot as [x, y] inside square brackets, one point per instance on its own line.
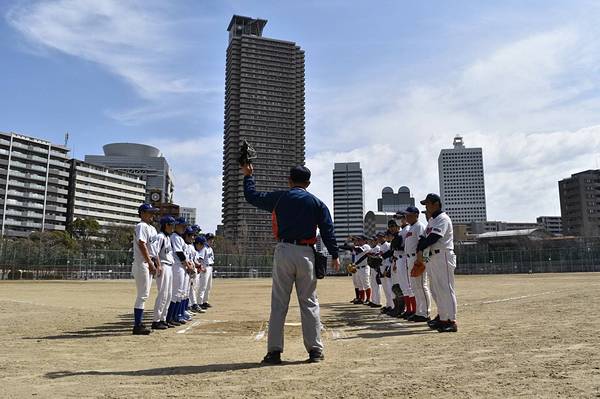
[388, 83]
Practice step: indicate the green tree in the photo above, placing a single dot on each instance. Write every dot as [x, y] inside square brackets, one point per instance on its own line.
[86, 232]
[117, 237]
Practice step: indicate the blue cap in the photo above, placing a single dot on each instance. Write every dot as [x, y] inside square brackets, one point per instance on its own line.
[209, 236]
[196, 228]
[189, 230]
[200, 240]
[432, 199]
[167, 219]
[412, 209]
[147, 208]
[181, 220]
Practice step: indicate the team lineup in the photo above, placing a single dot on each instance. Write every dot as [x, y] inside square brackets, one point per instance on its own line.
[412, 263]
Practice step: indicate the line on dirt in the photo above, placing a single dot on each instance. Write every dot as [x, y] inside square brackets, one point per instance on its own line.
[188, 328]
[516, 298]
[261, 332]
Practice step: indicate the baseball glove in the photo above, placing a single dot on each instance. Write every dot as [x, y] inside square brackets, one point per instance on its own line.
[351, 268]
[417, 269]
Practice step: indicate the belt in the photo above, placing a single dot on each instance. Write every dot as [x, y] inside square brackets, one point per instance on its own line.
[411, 255]
[295, 242]
[437, 251]
[361, 267]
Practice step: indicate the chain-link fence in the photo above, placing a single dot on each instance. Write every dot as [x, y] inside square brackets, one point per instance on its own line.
[39, 262]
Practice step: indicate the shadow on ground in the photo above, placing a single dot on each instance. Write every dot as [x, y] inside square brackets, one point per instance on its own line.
[181, 370]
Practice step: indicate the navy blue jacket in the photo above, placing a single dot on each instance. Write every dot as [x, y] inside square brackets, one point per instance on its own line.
[298, 212]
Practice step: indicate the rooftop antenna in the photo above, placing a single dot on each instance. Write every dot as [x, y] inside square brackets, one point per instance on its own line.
[66, 138]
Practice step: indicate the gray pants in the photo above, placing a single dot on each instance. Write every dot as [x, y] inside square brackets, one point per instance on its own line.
[294, 264]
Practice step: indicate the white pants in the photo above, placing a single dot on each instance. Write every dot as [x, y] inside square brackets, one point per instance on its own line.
[355, 280]
[164, 284]
[403, 277]
[194, 290]
[143, 280]
[178, 283]
[386, 284]
[363, 278]
[375, 288]
[441, 270]
[420, 287]
[395, 270]
[205, 285]
[186, 285]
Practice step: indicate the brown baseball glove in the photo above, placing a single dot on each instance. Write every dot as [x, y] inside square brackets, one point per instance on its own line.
[351, 268]
[417, 269]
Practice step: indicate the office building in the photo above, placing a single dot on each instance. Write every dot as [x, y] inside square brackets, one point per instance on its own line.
[394, 202]
[348, 200]
[491, 226]
[377, 222]
[462, 187]
[140, 160]
[580, 204]
[34, 180]
[188, 213]
[552, 224]
[264, 104]
[108, 196]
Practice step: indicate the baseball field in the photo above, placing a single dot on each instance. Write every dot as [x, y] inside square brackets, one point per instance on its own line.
[532, 335]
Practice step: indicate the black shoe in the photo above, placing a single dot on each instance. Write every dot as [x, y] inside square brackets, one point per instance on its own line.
[406, 315]
[272, 358]
[204, 306]
[367, 303]
[157, 325]
[167, 324]
[208, 305]
[141, 330]
[181, 321]
[195, 308]
[447, 326]
[315, 356]
[174, 323]
[385, 310]
[419, 319]
[433, 324]
[354, 301]
[374, 305]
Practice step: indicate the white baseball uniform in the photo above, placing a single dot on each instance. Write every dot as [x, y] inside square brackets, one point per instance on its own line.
[375, 288]
[386, 283]
[206, 277]
[164, 282]
[419, 285]
[363, 271]
[441, 265]
[200, 259]
[402, 267]
[140, 269]
[179, 269]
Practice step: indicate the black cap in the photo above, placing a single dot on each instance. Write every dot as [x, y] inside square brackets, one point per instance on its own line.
[300, 174]
[412, 209]
[431, 198]
[392, 223]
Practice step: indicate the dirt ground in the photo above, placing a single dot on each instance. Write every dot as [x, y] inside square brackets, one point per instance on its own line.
[520, 336]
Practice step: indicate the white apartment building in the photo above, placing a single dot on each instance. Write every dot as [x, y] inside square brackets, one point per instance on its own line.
[108, 196]
[462, 187]
[34, 179]
[188, 213]
[348, 200]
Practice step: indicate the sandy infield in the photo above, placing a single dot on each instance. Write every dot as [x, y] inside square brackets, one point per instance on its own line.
[520, 336]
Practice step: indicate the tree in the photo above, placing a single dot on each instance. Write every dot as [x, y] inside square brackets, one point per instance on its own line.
[118, 237]
[84, 231]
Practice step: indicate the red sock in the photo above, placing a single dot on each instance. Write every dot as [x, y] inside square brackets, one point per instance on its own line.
[362, 295]
[368, 294]
[413, 304]
[407, 303]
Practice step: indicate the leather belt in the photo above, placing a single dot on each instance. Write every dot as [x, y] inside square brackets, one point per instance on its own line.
[295, 242]
[411, 255]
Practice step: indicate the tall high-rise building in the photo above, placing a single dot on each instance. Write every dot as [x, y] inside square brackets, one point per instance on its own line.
[462, 187]
[34, 182]
[394, 202]
[140, 160]
[580, 204]
[188, 213]
[264, 104]
[348, 200]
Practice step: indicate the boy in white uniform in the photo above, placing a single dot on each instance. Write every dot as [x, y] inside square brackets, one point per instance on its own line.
[375, 300]
[144, 264]
[180, 268]
[190, 275]
[442, 262]
[164, 282]
[420, 284]
[200, 264]
[207, 277]
[363, 271]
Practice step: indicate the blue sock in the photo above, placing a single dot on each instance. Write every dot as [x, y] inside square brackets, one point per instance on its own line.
[137, 314]
[170, 311]
[178, 307]
[187, 304]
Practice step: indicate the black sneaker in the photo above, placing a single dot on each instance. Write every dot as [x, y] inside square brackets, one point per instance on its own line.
[419, 319]
[168, 325]
[181, 321]
[141, 330]
[374, 305]
[315, 356]
[272, 358]
[157, 325]
[433, 324]
[447, 326]
[203, 306]
[208, 305]
[174, 323]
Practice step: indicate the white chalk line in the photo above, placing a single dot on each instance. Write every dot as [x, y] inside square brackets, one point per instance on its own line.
[261, 332]
[515, 298]
[188, 328]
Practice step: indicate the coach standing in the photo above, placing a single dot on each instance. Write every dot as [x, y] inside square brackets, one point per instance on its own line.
[296, 214]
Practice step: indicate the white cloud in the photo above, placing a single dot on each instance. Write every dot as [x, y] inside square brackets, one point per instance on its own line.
[531, 104]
